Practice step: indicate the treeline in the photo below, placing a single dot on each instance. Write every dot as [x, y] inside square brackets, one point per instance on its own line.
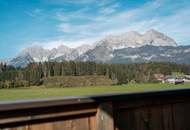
[34, 74]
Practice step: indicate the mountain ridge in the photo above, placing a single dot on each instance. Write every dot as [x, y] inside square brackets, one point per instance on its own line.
[101, 51]
[134, 39]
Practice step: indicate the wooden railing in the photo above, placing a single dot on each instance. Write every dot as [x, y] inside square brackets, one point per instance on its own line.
[163, 110]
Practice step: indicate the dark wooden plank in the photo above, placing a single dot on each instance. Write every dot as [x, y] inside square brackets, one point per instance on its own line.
[41, 116]
[142, 118]
[153, 101]
[155, 116]
[125, 119]
[181, 116]
[148, 118]
[167, 117]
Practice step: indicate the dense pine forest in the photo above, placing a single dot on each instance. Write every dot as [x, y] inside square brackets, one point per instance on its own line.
[35, 73]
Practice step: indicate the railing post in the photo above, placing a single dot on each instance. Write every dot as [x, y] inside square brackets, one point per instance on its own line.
[104, 116]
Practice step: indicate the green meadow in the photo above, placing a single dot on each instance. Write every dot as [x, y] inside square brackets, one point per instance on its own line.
[43, 92]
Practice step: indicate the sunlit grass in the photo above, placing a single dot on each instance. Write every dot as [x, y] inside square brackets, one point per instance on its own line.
[43, 92]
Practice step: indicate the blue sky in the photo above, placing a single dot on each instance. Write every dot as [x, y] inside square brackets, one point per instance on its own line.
[50, 23]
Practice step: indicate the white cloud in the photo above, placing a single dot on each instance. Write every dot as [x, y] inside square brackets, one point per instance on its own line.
[34, 13]
[69, 43]
[109, 9]
[141, 19]
[103, 24]
[66, 16]
[79, 2]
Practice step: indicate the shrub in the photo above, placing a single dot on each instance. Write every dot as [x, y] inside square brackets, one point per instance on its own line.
[77, 81]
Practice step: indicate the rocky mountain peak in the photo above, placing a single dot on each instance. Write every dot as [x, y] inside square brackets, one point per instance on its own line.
[134, 39]
[135, 33]
[38, 53]
[83, 48]
[155, 38]
[22, 60]
[3, 61]
[102, 50]
[152, 31]
[62, 49]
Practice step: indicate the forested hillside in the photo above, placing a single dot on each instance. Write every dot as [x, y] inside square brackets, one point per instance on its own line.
[34, 74]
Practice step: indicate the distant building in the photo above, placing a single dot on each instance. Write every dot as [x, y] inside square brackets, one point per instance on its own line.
[173, 79]
[187, 79]
[159, 77]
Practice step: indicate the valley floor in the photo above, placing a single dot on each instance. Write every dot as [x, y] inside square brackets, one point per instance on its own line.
[43, 92]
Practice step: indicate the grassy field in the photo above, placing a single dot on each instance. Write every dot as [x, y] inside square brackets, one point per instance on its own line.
[43, 92]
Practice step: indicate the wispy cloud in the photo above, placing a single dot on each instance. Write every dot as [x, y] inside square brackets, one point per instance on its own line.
[81, 2]
[103, 24]
[86, 25]
[109, 9]
[74, 22]
[34, 13]
[78, 14]
[56, 43]
[140, 19]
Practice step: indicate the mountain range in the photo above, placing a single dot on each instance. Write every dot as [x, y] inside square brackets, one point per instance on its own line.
[129, 47]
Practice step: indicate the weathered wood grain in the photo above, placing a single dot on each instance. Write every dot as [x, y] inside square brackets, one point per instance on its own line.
[167, 117]
[181, 116]
[125, 120]
[146, 111]
[105, 117]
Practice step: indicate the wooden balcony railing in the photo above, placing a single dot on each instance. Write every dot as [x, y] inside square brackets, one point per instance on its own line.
[161, 110]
